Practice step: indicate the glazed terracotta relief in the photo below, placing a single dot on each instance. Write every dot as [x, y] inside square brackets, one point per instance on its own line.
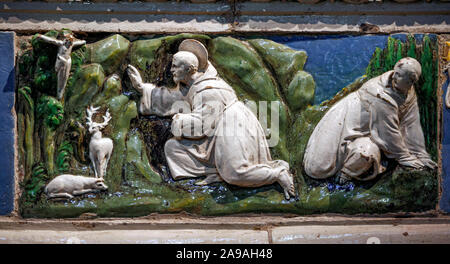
[215, 125]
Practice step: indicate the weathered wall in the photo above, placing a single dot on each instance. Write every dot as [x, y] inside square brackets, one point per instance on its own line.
[227, 17]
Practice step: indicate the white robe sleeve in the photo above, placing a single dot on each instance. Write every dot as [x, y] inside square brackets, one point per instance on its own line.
[386, 133]
[162, 101]
[201, 122]
[413, 134]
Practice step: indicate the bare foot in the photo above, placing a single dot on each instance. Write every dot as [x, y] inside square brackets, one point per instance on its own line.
[286, 180]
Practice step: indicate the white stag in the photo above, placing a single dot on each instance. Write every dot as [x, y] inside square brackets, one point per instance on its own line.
[100, 149]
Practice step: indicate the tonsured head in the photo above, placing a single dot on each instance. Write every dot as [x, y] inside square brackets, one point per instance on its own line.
[192, 57]
[407, 71]
[184, 65]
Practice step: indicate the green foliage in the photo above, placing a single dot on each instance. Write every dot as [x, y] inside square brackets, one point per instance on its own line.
[25, 92]
[44, 80]
[399, 51]
[44, 57]
[384, 60]
[375, 68]
[43, 62]
[390, 58]
[34, 187]
[65, 152]
[26, 63]
[40, 47]
[426, 91]
[26, 126]
[78, 59]
[51, 110]
[411, 47]
[427, 68]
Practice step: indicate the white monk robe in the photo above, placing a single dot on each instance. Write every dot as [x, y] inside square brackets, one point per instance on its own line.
[380, 118]
[220, 135]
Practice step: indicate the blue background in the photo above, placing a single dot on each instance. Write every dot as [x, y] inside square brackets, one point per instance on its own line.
[334, 61]
[445, 184]
[6, 122]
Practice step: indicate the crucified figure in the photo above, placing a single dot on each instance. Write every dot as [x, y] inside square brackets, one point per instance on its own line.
[63, 59]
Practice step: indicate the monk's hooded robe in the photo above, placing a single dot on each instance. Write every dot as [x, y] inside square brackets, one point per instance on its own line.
[387, 121]
[218, 136]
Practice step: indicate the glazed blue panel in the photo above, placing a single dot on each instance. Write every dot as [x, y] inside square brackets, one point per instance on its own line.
[7, 122]
[334, 61]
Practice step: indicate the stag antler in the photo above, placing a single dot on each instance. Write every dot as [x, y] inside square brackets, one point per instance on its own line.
[93, 126]
[106, 119]
[90, 112]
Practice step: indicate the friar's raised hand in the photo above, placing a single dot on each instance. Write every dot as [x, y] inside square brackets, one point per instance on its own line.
[135, 77]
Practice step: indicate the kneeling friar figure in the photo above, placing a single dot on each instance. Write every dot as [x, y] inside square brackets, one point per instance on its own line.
[216, 135]
[381, 117]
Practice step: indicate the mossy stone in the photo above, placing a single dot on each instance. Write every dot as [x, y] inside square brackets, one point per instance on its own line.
[316, 199]
[143, 52]
[284, 61]
[111, 87]
[300, 91]
[137, 158]
[152, 57]
[241, 66]
[108, 52]
[87, 84]
[175, 39]
[122, 111]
